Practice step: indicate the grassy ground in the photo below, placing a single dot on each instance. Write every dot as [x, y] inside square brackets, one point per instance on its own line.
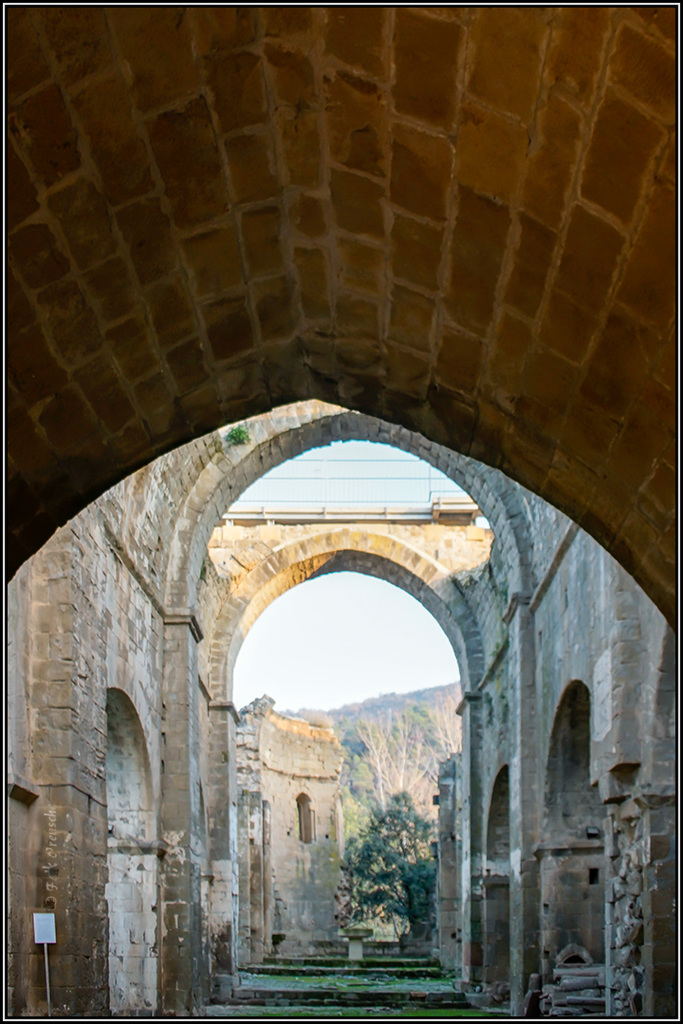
[321, 1012]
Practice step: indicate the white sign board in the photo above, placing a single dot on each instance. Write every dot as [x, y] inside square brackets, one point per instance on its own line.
[44, 928]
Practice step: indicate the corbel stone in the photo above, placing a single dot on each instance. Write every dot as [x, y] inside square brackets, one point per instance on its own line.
[21, 789]
[467, 698]
[226, 705]
[131, 844]
[188, 618]
[518, 598]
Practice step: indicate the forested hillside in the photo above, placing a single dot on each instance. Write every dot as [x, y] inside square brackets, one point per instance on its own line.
[393, 744]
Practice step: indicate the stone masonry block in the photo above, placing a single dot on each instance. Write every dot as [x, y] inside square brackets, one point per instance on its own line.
[507, 47]
[357, 126]
[36, 255]
[147, 232]
[532, 263]
[121, 156]
[186, 152]
[293, 75]
[29, 67]
[84, 219]
[426, 56]
[589, 259]
[214, 261]
[228, 326]
[421, 170]
[416, 251]
[152, 39]
[646, 286]
[477, 251]
[307, 215]
[412, 318]
[252, 168]
[645, 69]
[490, 153]
[172, 311]
[236, 80]
[79, 39]
[575, 49]
[42, 127]
[111, 287]
[623, 143]
[355, 35]
[357, 203]
[301, 147]
[21, 193]
[550, 161]
[261, 232]
[131, 345]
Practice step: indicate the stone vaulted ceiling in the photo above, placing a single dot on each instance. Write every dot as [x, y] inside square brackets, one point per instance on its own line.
[459, 219]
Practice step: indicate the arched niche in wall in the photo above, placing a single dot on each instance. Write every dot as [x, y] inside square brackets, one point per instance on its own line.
[572, 850]
[132, 888]
[496, 938]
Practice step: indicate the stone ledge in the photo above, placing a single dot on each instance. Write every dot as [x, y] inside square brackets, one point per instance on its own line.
[21, 790]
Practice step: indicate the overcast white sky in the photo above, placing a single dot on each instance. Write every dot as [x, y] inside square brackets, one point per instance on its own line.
[344, 637]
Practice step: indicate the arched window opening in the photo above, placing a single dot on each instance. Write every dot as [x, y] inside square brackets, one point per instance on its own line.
[305, 816]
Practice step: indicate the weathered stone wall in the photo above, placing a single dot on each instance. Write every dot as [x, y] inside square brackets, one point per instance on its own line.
[288, 774]
[126, 599]
[583, 623]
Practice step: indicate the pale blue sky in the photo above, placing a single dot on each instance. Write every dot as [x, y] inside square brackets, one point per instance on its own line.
[338, 639]
[344, 637]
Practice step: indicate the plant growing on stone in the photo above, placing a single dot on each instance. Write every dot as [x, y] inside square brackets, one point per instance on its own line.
[237, 435]
[391, 871]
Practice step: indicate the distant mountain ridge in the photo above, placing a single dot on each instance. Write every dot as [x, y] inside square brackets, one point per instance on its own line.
[376, 707]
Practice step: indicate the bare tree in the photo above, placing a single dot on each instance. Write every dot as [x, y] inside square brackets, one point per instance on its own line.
[403, 754]
[447, 724]
[399, 756]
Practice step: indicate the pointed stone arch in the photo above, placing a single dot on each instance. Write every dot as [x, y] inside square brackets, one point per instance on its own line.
[346, 550]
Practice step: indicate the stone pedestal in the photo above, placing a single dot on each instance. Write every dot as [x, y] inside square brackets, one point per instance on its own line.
[356, 936]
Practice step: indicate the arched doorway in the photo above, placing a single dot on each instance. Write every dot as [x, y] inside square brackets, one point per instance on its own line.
[496, 938]
[572, 851]
[132, 888]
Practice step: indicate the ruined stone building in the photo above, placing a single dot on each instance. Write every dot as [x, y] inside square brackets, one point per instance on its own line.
[290, 836]
[457, 223]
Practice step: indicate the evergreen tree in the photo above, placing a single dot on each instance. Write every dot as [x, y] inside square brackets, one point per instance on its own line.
[391, 871]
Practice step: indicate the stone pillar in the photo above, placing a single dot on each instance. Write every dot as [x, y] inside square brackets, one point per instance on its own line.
[222, 805]
[525, 802]
[245, 846]
[472, 863]
[256, 949]
[449, 900]
[181, 937]
[659, 912]
[58, 820]
[268, 899]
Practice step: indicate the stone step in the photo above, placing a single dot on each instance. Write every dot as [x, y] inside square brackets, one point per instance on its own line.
[339, 961]
[356, 969]
[351, 1003]
[326, 997]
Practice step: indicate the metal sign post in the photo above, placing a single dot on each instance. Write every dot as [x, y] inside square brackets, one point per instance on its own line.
[44, 932]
